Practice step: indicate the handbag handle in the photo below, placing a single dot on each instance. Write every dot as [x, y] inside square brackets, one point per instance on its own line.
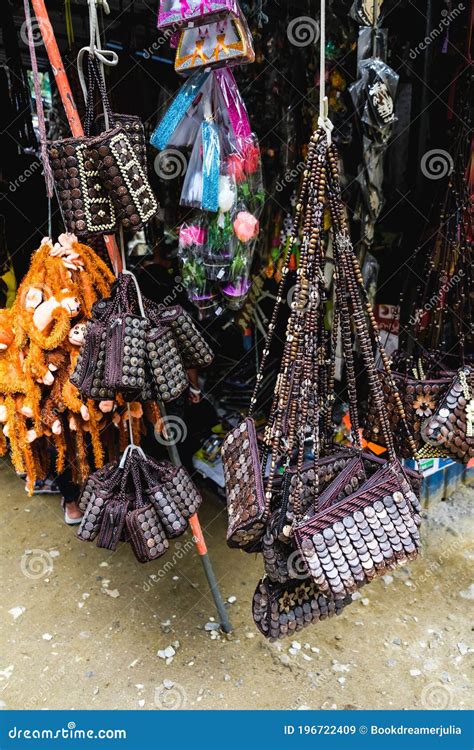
[95, 82]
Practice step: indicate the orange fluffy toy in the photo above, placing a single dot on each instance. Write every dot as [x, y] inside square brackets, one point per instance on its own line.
[40, 337]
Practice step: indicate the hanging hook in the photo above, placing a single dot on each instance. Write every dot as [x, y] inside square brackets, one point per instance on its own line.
[105, 57]
[323, 120]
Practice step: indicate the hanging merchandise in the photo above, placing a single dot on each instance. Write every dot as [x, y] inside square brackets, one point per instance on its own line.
[373, 95]
[223, 182]
[436, 345]
[41, 336]
[211, 45]
[133, 349]
[345, 517]
[101, 180]
[140, 501]
[174, 12]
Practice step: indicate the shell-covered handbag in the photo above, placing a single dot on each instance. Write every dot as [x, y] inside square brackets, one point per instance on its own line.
[125, 352]
[178, 485]
[133, 127]
[451, 427]
[146, 534]
[193, 347]
[173, 12]
[247, 506]
[282, 609]
[86, 206]
[223, 42]
[420, 397]
[165, 364]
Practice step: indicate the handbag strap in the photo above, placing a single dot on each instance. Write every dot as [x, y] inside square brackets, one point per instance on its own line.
[300, 203]
[95, 82]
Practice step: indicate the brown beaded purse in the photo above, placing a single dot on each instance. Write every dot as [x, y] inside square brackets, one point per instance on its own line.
[451, 427]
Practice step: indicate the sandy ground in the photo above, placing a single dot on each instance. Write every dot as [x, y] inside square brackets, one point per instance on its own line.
[83, 626]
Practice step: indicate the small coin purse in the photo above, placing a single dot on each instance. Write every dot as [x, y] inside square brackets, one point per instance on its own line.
[214, 45]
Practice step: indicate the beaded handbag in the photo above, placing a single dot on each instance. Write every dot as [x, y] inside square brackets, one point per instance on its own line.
[451, 427]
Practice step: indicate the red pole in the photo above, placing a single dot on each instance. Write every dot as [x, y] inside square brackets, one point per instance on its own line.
[67, 99]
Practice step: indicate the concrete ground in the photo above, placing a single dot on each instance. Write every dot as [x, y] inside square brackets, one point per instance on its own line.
[86, 628]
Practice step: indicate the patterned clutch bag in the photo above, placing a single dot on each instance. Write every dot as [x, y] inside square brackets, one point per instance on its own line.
[246, 505]
[213, 45]
[451, 428]
[352, 541]
[125, 354]
[282, 609]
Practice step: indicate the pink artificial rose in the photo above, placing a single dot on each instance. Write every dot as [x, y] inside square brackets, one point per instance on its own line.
[246, 226]
[192, 235]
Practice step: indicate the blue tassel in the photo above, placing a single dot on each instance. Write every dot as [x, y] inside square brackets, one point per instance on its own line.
[211, 158]
[179, 106]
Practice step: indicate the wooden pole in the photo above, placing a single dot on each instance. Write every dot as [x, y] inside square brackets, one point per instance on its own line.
[67, 99]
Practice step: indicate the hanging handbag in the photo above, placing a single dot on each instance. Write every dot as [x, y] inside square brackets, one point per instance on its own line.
[172, 13]
[124, 368]
[165, 364]
[282, 609]
[193, 347]
[451, 428]
[133, 127]
[146, 534]
[420, 397]
[223, 42]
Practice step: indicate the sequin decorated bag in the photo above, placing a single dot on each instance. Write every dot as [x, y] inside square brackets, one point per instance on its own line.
[451, 427]
[169, 379]
[146, 534]
[180, 12]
